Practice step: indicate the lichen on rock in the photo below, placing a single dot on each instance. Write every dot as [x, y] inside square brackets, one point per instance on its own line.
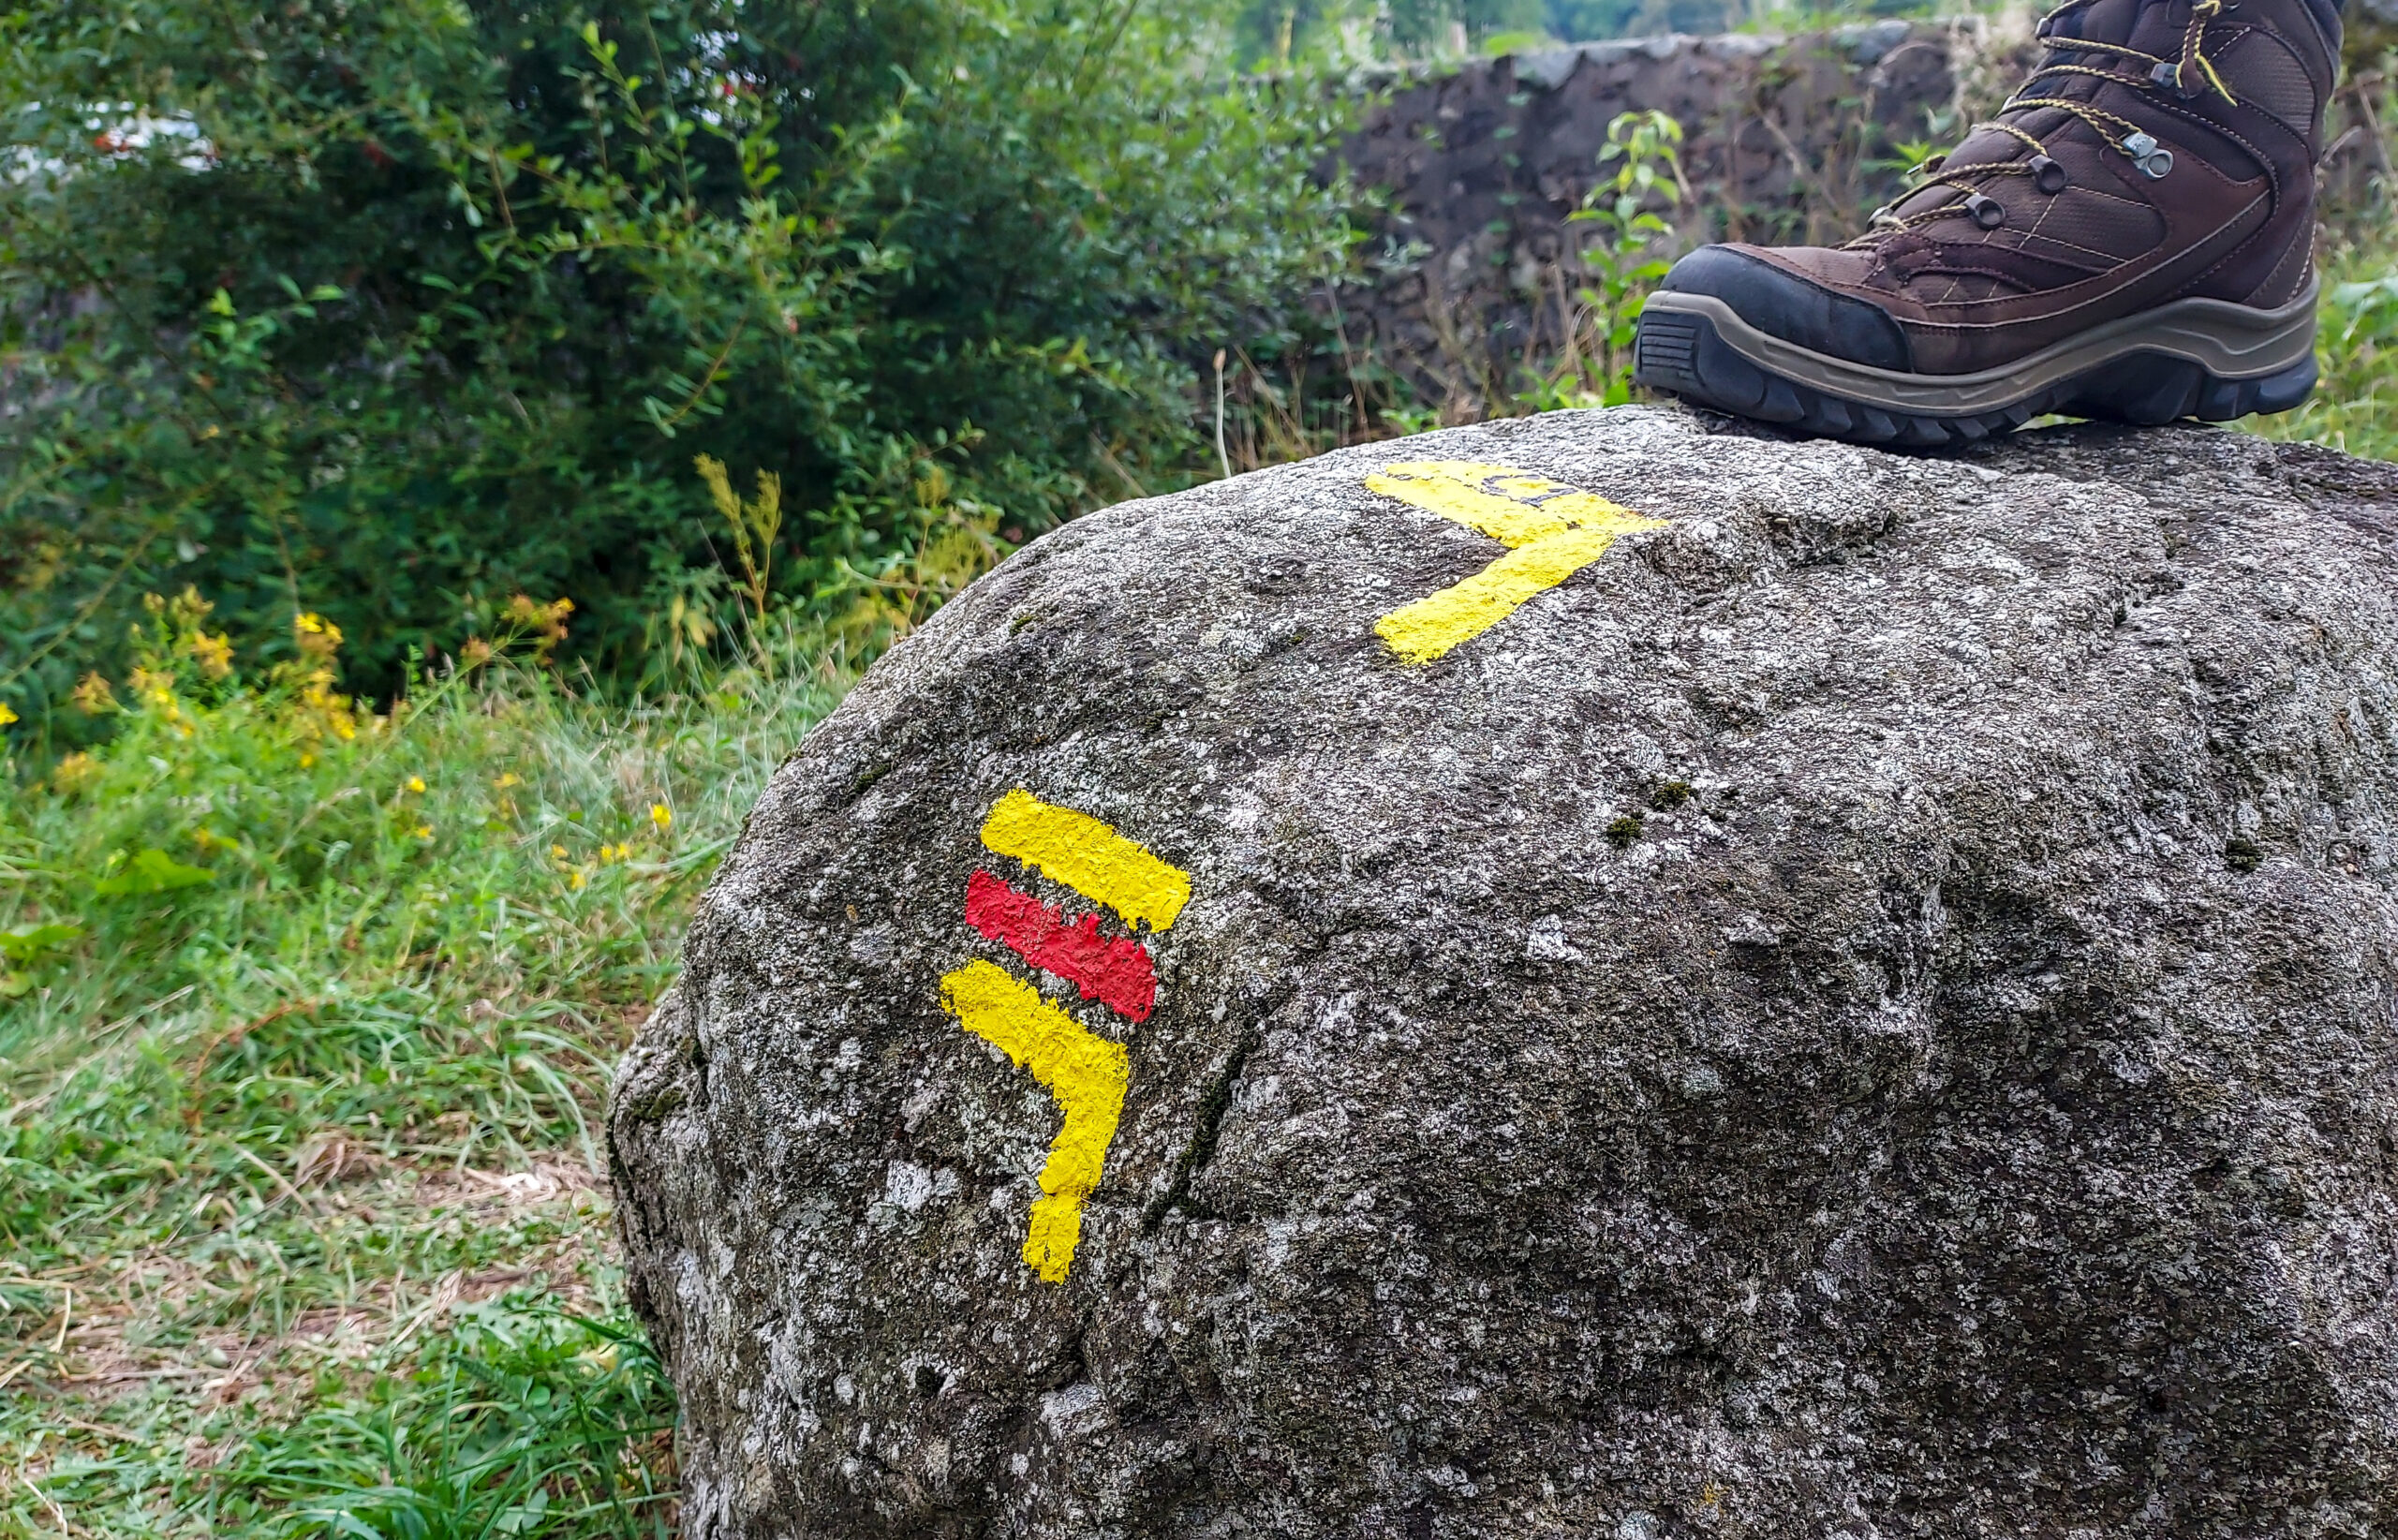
[1864, 1008]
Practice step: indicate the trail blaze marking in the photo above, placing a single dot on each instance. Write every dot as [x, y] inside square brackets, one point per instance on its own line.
[1086, 1073]
[1115, 971]
[1088, 856]
[1552, 531]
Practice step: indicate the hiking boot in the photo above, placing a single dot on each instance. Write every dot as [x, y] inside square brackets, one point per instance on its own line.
[2133, 238]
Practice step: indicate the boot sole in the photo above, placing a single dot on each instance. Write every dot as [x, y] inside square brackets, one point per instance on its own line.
[2205, 358]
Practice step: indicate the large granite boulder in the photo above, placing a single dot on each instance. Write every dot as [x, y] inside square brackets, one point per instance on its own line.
[1575, 977]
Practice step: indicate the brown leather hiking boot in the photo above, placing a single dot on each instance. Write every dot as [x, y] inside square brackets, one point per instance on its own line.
[2132, 239]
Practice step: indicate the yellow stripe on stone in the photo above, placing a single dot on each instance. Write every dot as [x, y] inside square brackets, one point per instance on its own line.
[1555, 530]
[1089, 857]
[1084, 1074]
[1429, 627]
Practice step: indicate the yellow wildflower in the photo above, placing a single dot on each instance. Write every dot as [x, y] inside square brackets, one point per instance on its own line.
[424, 830]
[6, 716]
[317, 636]
[661, 815]
[186, 609]
[416, 783]
[94, 696]
[215, 653]
[506, 780]
[321, 713]
[546, 622]
[557, 852]
[475, 654]
[156, 686]
[525, 612]
[574, 878]
[75, 772]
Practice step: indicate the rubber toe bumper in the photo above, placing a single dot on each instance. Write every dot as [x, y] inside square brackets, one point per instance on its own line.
[1789, 307]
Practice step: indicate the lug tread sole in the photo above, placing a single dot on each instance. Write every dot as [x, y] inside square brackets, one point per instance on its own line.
[1681, 353]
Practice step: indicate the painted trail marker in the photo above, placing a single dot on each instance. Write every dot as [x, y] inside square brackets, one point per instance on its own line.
[1086, 1073]
[1551, 530]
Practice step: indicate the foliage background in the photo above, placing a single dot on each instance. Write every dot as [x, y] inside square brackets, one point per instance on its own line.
[393, 311]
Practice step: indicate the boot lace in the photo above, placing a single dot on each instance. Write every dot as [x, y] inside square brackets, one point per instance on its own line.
[2179, 75]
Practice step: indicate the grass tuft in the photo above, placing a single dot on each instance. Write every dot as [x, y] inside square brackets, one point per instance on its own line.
[2355, 406]
[305, 1023]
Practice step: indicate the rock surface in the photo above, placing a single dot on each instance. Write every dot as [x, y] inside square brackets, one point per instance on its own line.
[1864, 1011]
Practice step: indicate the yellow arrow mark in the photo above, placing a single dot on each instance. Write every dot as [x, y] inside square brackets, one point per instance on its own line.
[1089, 857]
[1084, 1073]
[1554, 531]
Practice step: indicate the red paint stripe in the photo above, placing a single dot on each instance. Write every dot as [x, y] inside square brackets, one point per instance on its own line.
[1115, 971]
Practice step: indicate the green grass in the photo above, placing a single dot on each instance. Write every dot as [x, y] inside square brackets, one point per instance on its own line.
[305, 1022]
[2355, 408]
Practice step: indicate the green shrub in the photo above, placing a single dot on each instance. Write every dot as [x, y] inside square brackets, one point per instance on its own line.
[390, 312]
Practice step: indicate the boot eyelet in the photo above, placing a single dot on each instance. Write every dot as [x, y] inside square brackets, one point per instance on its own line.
[2047, 175]
[1987, 212]
[2153, 159]
[2168, 74]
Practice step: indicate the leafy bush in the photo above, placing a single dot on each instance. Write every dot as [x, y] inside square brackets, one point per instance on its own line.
[390, 312]
[1623, 258]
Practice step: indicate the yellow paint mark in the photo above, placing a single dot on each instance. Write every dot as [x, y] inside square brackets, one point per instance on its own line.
[1424, 630]
[1554, 531]
[1084, 1073]
[1089, 857]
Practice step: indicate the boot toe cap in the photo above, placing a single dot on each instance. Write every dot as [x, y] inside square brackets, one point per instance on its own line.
[1781, 304]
